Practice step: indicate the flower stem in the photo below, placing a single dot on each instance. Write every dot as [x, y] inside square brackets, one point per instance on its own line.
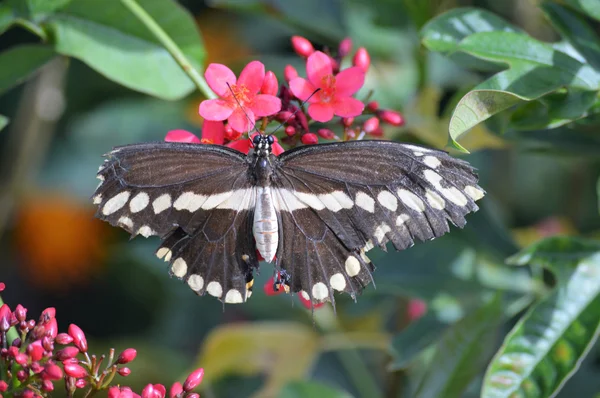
[170, 45]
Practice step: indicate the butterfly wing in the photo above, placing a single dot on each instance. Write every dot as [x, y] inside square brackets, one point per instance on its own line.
[198, 199]
[348, 197]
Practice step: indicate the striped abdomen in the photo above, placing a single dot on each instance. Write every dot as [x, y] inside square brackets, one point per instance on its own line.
[265, 228]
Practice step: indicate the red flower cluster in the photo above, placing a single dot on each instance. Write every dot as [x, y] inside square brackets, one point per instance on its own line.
[30, 363]
[255, 97]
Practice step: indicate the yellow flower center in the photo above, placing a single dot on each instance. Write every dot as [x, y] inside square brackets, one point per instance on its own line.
[327, 88]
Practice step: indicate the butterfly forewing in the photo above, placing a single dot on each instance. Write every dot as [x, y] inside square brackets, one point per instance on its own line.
[198, 198]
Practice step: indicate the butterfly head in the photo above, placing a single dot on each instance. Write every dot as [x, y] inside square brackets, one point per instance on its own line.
[262, 145]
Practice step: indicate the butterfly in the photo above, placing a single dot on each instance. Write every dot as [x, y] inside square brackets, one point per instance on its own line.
[314, 211]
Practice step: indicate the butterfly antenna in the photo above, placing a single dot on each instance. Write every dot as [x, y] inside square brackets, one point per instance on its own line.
[252, 122]
[296, 111]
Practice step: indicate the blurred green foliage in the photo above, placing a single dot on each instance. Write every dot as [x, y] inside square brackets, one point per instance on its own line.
[516, 83]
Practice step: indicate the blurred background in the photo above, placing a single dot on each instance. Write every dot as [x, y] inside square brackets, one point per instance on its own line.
[55, 253]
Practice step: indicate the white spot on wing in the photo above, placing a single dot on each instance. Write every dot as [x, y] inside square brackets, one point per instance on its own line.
[474, 192]
[344, 200]
[364, 257]
[196, 282]
[452, 194]
[415, 148]
[189, 201]
[304, 295]
[369, 245]
[402, 218]
[380, 232]
[139, 202]
[164, 252]
[240, 199]
[411, 200]
[432, 161]
[115, 203]
[234, 296]
[215, 200]
[338, 282]
[320, 291]
[146, 231]
[352, 266]
[435, 200]
[162, 203]
[179, 267]
[286, 200]
[330, 202]
[365, 201]
[214, 289]
[310, 199]
[97, 199]
[126, 222]
[387, 200]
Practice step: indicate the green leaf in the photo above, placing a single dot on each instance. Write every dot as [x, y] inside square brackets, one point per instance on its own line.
[536, 69]
[413, 340]
[461, 353]
[3, 121]
[107, 37]
[598, 193]
[46, 6]
[18, 63]
[589, 7]
[549, 342]
[446, 31]
[575, 30]
[302, 389]
[17, 12]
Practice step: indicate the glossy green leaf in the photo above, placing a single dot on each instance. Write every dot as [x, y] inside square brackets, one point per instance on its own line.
[18, 63]
[17, 12]
[589, 7]
[410, 342]
[107, 37]
[461, 353]
[46, 6]
[302, 389]
[446, 31]
[3, 121]
[535, 69]
[576, 30]
[549, 342]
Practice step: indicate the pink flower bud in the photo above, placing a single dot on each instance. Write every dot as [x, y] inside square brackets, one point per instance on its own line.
[370, 125]
[193, 395]
[5, 317]
[51, 328]
[47, 385]
[345, 47]
[36, 367]
[52, 372]
[290, 130]
[270, 85]
[373, 106]
[309, 139]
[64, 339]
[78, 337]
[3, 386]
[347, 121]
[326, 134]
[66, 353]
[35, 350]
[20, 313]
[176, 389]
[74, 370]
[289, 73]
[28, 394]
[47, 314]
[416, 309]
[127, 356]
[391, 117]
[114, 392]
[80, 383]
[302, 46]
[2, 287]
[124, 372]
[285, 116]
[21, 358]
[16, 342]
[21, 375]
[362, 59]
[182, 136]
[193, 380]
[13, 351]
[151, 391]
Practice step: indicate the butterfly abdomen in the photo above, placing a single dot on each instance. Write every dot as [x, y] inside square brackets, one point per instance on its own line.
[265, 227]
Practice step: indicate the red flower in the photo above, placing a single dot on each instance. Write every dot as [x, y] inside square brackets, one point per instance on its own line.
[245, 144]
[334, 98]
[239, 100]
[181, 136]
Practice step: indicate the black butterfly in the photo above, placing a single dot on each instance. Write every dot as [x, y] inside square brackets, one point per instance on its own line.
[313, 210]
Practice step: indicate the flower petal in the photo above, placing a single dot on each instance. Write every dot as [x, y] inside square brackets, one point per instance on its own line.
[318, 65]
[277, 149]
[242, 145]
[217, 76]
[349, 81]
[252, 76]
[347, 107]
[301, 88]
[213, 132]
[265, 105]
[321, 112]
[181, 136]
[241, 121]
[215, 109]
